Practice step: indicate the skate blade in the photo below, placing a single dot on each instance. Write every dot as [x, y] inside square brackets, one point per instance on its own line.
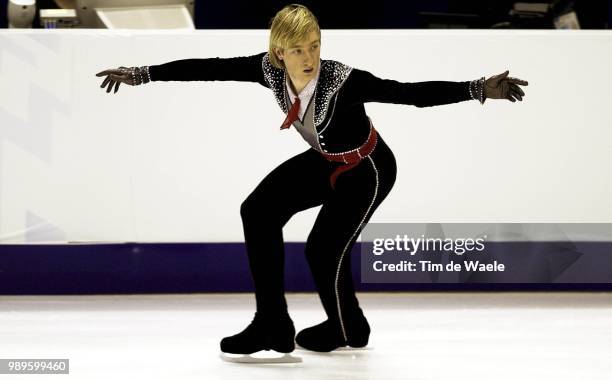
[355, 349]
[261, 357]
[344, 349]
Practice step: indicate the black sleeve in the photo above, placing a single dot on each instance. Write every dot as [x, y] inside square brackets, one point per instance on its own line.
[363, 87]
[245, 69]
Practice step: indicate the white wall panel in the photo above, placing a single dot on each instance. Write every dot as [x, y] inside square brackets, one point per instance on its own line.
[172, 161]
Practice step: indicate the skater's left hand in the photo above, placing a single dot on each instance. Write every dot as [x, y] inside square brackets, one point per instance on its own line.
[503, 87]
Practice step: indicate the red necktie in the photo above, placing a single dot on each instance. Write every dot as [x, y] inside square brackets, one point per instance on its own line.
[292, 115]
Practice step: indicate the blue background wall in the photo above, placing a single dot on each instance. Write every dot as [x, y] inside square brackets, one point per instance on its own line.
[175, 268]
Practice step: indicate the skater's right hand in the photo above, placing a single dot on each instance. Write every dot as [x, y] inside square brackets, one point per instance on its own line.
[132, 76]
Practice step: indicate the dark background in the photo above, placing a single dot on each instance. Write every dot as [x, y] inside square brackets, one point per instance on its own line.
[384, 14]
[389, 14]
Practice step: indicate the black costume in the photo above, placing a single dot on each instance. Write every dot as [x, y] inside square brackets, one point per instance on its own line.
[335, 121]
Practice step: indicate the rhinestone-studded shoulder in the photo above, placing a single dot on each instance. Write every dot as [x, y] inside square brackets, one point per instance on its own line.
[332, 77]
[275, 78]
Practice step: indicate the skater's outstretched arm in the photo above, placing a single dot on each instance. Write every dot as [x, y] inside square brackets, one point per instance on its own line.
[247, 69]
[362, 87]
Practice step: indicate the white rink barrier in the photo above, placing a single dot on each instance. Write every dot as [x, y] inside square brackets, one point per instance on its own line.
[172, 161]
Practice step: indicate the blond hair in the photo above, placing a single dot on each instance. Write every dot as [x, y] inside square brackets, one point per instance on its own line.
[290, 25]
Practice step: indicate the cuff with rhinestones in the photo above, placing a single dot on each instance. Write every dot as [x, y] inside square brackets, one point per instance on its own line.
[477, 90]
[140, 75]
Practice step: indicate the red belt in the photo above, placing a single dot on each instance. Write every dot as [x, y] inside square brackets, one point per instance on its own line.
[352, 157]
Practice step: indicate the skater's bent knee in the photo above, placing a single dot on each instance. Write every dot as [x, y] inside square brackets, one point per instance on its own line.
[254, 208]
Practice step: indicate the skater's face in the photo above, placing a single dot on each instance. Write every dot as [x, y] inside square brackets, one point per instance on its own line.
[302, 60]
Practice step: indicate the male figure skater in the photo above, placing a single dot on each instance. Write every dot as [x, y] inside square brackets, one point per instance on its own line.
[349, 170]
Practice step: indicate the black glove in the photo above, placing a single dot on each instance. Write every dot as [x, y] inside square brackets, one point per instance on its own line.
[503, 87]
[133, 76]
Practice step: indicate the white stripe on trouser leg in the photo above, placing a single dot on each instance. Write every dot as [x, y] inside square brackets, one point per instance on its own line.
[346, 247]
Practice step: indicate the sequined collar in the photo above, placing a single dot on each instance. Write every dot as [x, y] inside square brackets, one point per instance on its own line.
[331, 78]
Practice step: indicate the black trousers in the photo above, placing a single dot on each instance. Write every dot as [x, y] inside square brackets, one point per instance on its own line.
[298, 184]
